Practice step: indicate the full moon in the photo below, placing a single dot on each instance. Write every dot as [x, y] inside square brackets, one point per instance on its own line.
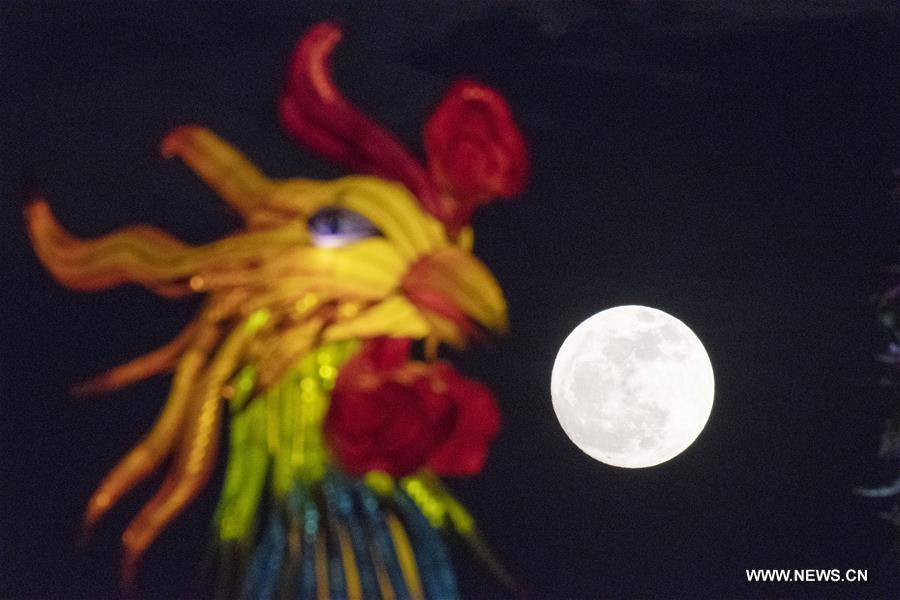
[632, 386]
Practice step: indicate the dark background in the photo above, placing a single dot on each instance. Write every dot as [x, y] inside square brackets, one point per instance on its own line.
[728, 162]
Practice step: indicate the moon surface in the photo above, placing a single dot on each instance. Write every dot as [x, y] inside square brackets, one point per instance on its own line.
[632, 386]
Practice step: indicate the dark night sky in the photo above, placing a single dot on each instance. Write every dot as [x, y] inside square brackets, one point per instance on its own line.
[729, 166]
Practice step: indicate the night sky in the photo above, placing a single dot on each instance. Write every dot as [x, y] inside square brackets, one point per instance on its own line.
[729, 166]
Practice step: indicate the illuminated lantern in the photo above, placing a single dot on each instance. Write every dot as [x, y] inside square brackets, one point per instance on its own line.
[317, 297]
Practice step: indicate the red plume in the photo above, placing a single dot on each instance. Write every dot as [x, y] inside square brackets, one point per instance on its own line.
[475, 151]
[314, 111]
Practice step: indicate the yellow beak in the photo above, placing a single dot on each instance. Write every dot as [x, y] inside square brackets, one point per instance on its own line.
[452, 287]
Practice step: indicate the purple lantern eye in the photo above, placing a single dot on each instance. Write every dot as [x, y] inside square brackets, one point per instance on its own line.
[333, 226]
